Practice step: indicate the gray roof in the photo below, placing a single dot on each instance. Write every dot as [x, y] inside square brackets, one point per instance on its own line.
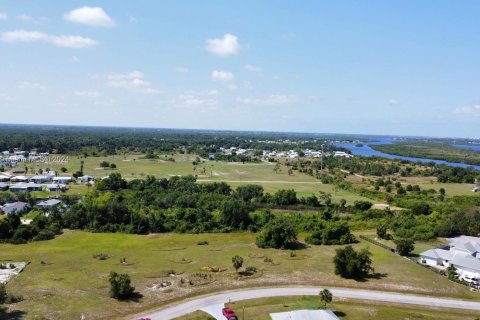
[14, 206]
[467, 262]
[49, 203]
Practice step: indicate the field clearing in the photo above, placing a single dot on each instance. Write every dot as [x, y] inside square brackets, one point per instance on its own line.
[234, 173]
[70, 281]
[259, 309]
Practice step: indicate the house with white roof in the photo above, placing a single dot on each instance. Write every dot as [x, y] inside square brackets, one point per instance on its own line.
[323, 314]
[463, 253]
[62, 180]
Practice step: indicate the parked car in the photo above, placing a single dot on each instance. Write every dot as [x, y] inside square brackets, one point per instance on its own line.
[229, 314]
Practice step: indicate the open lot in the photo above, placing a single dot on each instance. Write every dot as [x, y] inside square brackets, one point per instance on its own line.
[234, 173]
[63, 279]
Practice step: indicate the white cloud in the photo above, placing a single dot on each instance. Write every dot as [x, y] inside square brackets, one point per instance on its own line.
[191, 100]
[226, 46]
[182, 70]
[247, 85]
[87, 94]
[132, 81]
[29, 19]
[3, 16]
[393, 102]
[468, 111]
[222, 76]
[252, 69]
[90, 16]
[65, 41]
[30, 85]
[275, 100]
[288, 35]
[74, 59]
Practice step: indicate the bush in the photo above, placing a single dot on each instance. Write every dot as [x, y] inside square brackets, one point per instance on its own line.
[120, 287]
[202, 243]
[404, 246]
[351, 264]
[334, 233]
[279, 234]
[362, 205]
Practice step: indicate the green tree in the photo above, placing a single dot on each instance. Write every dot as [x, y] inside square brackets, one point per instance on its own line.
[280, 233]
[120, 286]
[234, 213]
[452, 273]
[404, 246]
[326, 297]
[237, 262]
[351, 264]
[382, 230]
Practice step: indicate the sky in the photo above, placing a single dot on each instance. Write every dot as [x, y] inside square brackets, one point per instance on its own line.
[399, 67]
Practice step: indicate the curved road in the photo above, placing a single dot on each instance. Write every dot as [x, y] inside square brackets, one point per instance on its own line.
[190, 306]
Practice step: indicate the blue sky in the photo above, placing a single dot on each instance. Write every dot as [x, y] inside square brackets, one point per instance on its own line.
[374, 67]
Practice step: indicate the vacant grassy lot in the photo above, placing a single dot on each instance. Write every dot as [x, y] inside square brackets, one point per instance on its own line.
[259, 309]
[234, 173]
[63, 279]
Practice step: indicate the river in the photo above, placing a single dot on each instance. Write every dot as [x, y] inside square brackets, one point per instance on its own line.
[363, 149]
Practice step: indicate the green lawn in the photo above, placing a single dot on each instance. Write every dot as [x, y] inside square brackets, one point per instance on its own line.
[259, 309]
[70, 281]
[235, 174]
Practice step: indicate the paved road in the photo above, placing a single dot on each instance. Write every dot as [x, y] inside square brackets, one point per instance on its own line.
[190, 306]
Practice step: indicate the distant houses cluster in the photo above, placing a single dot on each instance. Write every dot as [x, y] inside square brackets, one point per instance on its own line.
[48, 182]
[291, 154]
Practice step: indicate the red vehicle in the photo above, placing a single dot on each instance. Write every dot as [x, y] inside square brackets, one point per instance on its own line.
[229, 314]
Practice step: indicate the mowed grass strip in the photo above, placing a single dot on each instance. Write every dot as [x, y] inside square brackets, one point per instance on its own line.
[260, 309]
[64, 280]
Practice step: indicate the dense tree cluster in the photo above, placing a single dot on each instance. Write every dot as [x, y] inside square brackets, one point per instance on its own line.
[331, 233]
[351, 264]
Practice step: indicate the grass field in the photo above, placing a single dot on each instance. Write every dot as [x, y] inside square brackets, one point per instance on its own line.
[259, 309]
[132, 166]
[70, 281]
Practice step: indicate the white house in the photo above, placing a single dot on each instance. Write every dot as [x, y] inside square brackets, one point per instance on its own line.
[62, 180]
[462, 252]
[40, 179]
[305, 315]
[342, 154]
[8, 208]
[86, 178]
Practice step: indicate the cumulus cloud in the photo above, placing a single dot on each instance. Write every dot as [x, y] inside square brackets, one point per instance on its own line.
[288, 35]
[393, 102]
[132, 81]
[30, 85]
[64, 41]
[222, 76]
[3, 16]
[254, 70]
[87, 94]
[468, 110]
[191, 100]
[275, 100]
[90, 16]
[226, 46]
[182, 70]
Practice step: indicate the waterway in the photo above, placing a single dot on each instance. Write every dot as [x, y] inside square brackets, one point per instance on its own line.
[363, 149]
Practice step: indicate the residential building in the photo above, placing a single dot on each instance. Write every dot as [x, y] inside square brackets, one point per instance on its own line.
[463, 253]
[9, 208]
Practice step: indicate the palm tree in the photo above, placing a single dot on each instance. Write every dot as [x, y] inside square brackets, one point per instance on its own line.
[326, 297]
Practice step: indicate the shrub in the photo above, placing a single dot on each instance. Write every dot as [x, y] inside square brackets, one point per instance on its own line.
[351, 264]
[120, 287]
[278, 234]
